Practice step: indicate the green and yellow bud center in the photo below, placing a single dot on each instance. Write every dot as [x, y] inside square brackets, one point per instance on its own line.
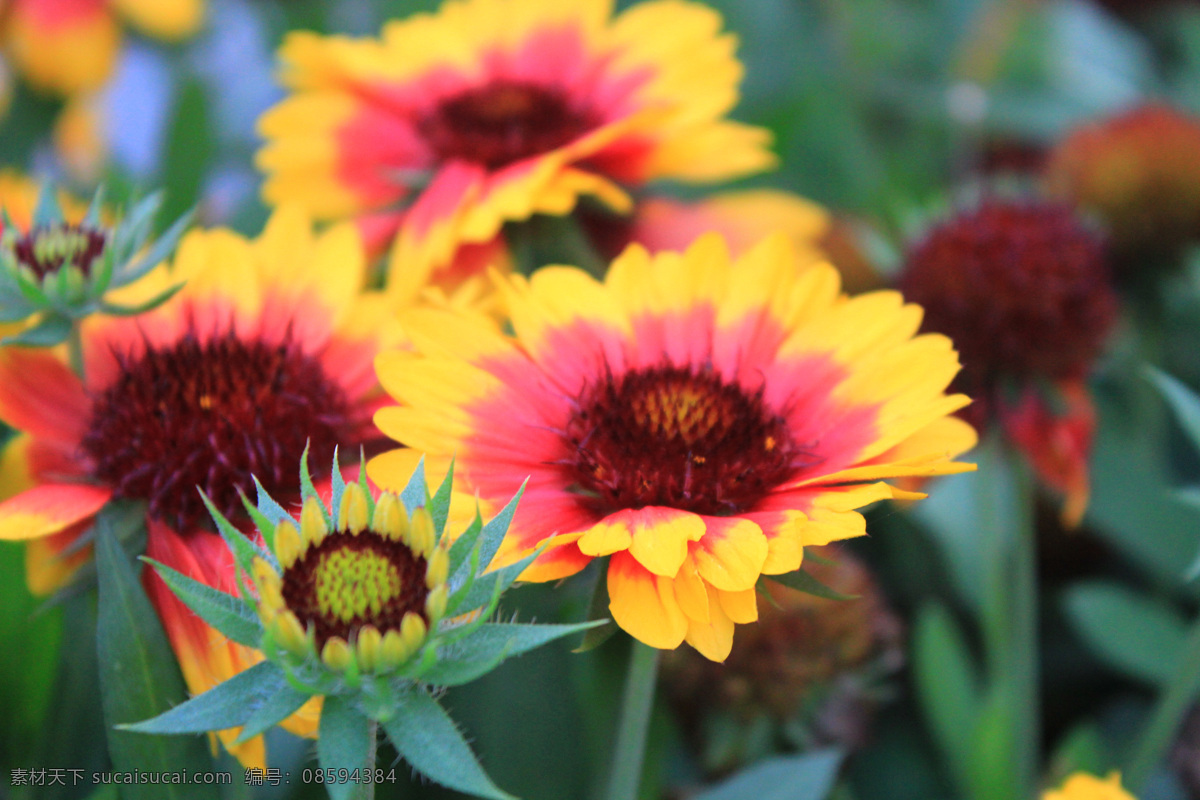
[350, 584]
[348, 581]
[46, 250]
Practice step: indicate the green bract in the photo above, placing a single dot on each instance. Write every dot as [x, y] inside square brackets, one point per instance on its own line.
[62, 270]
[371, 605]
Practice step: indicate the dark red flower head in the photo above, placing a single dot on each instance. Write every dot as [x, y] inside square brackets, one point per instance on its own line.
[1021, 286]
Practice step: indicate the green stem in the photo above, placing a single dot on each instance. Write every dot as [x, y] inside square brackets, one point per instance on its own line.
[1027, 741]
[75, 349]
[1009, 622]
[368, 786]
[1164, 722]
[636, 702]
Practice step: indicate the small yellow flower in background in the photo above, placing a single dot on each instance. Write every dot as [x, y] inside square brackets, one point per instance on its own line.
[70, 46]
[698, 420]
[489, 111]
[1081, 786]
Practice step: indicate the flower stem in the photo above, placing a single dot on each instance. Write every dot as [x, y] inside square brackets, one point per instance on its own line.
[1164, 722]
[1025, 635]
[636, 702]
[368, 786]
[75, 349]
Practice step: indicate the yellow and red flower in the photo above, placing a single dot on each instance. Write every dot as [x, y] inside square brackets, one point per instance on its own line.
[70, 46]
[489, 111]
[1140, 172]
[696, 419]
[267, 350]
[743, 218]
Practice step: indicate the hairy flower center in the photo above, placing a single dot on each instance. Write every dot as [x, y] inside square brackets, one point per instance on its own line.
[502, 122]
[45, 250]
[348, 581]
[212, 414]
[678, 437]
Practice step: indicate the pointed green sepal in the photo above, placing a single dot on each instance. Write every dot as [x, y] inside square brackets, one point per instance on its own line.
[343, 743]
[490, 644]
[231, 616]
[48, 212]
[51, 331]
[801, 581]
[226, 705]
[140, 308]
[426, 737]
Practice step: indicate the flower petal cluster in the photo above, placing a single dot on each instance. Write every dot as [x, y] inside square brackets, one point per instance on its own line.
[366, 605]
[451, 124]
[697, 420]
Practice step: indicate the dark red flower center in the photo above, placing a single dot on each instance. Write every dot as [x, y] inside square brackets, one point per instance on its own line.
[348, 581]
[1021, 287]
[46, 250]
[502, 122]
[678, 437]
[211, 414]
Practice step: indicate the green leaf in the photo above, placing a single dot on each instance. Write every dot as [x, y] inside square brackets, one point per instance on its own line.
[946, 684]
[136, 227]
[160, 251]
[487, 587]
[226, 705]
[230, 615]
[306, 482]
[807, 777]
[803, 582]
[48, 212]
[268, 506]
[343, 742]
[460, 551]
[238, 543]
[139, 679]
[1181, 399]
[426, 737]
[497, 526]
[439, 505]
[415, 494]
[490, 644]
[1141, 637]
[189, 151]
[598, 610]
[337, 482]
[51, 331]
[140, 308]
[992, 774]
[274, 708]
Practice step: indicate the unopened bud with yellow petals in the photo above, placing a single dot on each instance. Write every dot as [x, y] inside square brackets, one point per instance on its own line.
[390, 518]
[422, 532]
[412, 632]
[312, 521]
[438, 569]
[435, 603]
[336, 654]
[290, 634]
[289, 546]
[354, 515]
[368, 646]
